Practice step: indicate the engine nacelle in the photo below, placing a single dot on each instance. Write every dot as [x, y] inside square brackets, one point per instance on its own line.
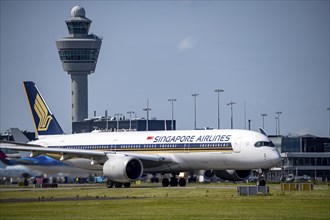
[123, 169]
[208, 173]
[233, 175]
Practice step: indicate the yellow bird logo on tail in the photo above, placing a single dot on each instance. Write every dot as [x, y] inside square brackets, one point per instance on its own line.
[42, 112]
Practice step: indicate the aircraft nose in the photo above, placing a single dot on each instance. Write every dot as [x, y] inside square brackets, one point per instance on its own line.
[275, 157]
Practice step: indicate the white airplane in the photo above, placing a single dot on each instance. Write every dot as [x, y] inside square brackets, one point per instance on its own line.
[125, 156]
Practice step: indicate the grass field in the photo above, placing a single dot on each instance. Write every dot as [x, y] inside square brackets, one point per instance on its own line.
[198, 201]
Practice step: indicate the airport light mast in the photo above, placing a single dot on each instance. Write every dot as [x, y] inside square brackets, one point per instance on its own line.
[218, 91]
[117, 115]
[130, 119]
[276, 118]
[195, 117]
[263, 115]
[172, 100]
[231, 114]
[79, 53]
[329, 120]
[147, 109]
[278, 122]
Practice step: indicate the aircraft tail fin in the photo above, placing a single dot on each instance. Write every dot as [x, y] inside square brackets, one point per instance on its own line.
[45, 122]
[3, 157]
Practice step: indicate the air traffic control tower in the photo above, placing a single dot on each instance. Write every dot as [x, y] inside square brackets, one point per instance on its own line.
[78, 53]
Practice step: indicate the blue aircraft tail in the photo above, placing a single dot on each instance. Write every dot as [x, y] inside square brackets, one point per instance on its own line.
[44, 121]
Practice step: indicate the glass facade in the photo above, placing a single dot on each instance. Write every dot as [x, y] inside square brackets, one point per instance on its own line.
[78, 54]
[123, 124]
[306, 155]
[290, 144]
[309, 161]
[78, 27]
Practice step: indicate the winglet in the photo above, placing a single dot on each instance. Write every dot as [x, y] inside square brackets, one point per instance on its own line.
[44, 121]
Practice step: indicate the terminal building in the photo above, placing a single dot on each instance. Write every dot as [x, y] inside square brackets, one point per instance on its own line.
[121, 124]
[302, 156]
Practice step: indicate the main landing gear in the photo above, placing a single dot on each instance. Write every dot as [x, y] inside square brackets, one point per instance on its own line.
[173, 181]
[111, 184]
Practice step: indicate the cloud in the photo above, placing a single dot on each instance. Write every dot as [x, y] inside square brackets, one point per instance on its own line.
[304, 131]
[187, 43]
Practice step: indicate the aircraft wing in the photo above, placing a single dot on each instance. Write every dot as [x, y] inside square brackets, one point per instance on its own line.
[149, 160]
[38, 149]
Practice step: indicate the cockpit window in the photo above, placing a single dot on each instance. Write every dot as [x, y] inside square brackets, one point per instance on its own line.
[264, 144]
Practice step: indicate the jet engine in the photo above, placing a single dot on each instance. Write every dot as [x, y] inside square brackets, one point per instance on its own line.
[123, 169]
[231, 175]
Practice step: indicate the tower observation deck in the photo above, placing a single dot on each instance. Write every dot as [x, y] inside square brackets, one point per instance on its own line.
[78, 53]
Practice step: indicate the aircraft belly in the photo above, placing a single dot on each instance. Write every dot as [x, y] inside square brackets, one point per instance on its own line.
[197, 161]
[158, 169]
[230, 160]
[83, 163]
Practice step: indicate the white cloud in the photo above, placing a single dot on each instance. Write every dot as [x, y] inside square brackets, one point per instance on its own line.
[187, 43]
[304, 131]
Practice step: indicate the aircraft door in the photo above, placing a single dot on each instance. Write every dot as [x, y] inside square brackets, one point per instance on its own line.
[237, 145]
[186, 147]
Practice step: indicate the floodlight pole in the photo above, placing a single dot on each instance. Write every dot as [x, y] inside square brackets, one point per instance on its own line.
[130, 119]
[195, 95]
[172, 100]
[278, 122]
[231, 115]
[329, 120]
[218, 91]
[117, 118]
[147, 109]
[263, 115]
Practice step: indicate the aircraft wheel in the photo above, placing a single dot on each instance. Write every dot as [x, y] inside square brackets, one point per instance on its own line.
[262, 182]
[109, 184]
[165, 182]
[182, 182]
[127, 185]
[154, 180]
[118, 185]
[192, 180]
[174, 181]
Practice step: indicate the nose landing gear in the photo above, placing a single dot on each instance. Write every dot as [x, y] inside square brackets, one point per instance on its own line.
[261, 179]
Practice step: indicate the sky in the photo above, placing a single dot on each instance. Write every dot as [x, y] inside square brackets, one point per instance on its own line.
[267, 56]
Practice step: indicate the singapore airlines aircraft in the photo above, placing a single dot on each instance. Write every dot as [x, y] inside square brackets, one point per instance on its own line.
[125, 156]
